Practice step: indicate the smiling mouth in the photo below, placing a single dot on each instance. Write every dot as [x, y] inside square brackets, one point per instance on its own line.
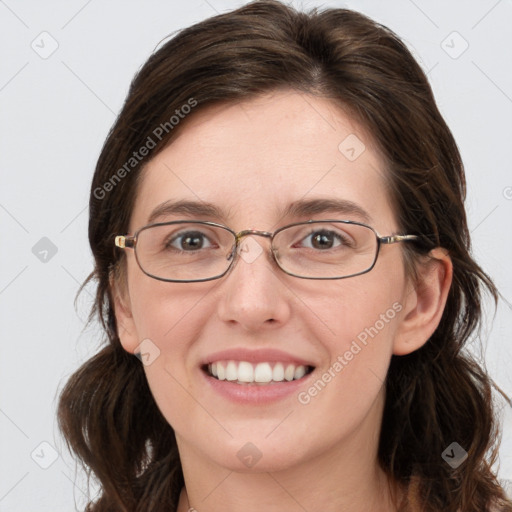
[264, 373]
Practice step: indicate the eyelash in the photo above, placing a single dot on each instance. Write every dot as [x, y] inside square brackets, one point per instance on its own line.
[343, 240]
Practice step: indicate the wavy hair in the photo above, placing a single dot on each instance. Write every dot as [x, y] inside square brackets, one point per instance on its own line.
[434, 396]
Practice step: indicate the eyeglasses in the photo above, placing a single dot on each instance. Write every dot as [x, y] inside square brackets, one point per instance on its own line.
[192, 251]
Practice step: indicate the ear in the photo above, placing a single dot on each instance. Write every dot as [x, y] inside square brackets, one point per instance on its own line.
[424, 303]
[124, 319]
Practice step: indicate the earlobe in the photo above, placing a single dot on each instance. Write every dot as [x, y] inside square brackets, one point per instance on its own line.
[424, 303]
[124, 319]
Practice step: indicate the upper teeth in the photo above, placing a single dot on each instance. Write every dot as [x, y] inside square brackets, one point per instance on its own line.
[242, 371]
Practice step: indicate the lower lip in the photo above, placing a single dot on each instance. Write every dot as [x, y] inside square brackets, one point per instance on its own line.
[255, 393]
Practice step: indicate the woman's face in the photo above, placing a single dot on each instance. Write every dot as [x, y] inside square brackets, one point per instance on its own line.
[252, 161]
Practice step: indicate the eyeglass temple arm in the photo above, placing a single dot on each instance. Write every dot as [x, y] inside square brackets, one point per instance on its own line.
[125, 241]
[393, 239]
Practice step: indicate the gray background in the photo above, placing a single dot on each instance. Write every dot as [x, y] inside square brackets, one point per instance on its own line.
[55, 113]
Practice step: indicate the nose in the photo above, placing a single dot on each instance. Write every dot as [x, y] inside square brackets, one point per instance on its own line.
[253, 293]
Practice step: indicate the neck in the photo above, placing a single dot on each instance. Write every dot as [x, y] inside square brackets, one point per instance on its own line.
[271, 492]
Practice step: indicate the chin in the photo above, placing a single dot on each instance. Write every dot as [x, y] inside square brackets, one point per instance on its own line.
[244, 456]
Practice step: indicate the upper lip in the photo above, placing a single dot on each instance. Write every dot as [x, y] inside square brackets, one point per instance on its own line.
[255, 356]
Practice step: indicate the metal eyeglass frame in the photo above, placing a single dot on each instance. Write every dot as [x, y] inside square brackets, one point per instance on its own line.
[130, 242]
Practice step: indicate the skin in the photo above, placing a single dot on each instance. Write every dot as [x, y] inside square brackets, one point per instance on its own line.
[252, 159]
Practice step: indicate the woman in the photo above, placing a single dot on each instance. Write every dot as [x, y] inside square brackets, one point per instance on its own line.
[283, 269]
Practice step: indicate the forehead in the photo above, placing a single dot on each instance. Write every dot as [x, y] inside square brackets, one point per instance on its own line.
[255, 158]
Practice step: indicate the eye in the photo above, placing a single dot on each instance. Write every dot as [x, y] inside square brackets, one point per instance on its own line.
[189, 241]
[325, 239]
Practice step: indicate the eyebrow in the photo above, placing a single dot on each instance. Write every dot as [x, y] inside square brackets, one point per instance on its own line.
[189, 208]
[305, 208]
[301, 208]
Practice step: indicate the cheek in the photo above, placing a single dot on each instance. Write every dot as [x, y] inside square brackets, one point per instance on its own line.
[357, 328]
[165, 311]
[171, 316]
[360, 308]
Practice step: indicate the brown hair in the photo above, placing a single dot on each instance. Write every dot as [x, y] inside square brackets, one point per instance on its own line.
[434, 396]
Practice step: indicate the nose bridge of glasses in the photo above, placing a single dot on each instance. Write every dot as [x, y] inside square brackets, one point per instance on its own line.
[252, 232]
[249, 251]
